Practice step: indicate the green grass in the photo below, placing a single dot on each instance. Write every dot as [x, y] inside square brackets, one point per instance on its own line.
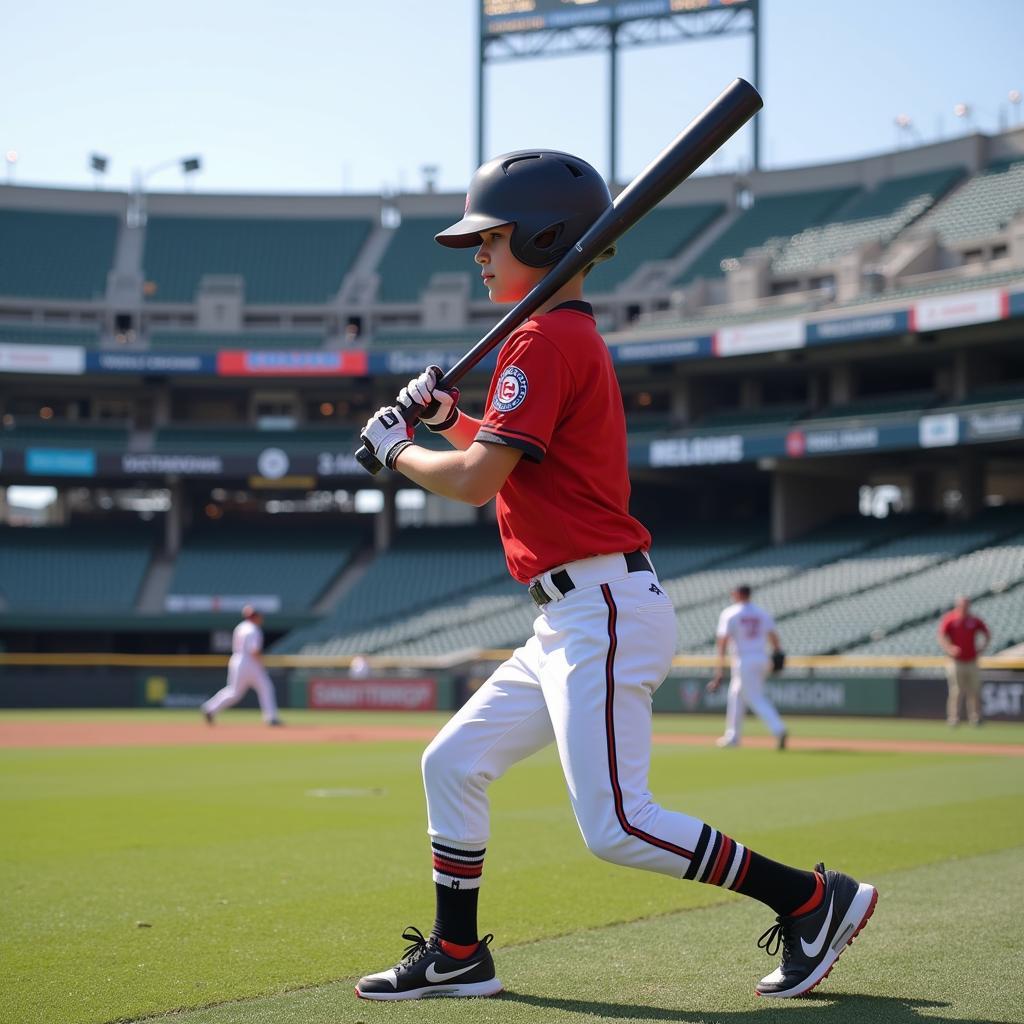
[141, 880]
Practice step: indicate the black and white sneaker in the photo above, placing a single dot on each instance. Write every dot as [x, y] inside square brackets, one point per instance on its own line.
[426, 970]
[811, 943]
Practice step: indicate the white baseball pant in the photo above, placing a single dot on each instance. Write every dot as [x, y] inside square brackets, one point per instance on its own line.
[244, 673]
[584, 680]
[746, 689]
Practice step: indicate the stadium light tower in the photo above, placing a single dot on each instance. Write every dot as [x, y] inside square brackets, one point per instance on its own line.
[1014, 97]
[137, 207]
[11, 159]
[964, 112]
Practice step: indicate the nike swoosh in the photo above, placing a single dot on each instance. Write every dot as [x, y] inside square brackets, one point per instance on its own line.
[814, 948]
[435, 975]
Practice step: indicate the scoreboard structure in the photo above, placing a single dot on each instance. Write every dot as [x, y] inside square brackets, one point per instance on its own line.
[522, 29]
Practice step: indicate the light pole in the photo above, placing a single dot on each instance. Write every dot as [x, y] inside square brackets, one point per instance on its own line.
[137, 207]
[11, 159]
[1014, 97]
[963, 111]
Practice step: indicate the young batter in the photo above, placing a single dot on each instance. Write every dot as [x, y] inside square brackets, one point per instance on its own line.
[551, 446]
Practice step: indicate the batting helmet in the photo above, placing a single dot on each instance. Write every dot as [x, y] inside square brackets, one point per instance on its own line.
[551, 198]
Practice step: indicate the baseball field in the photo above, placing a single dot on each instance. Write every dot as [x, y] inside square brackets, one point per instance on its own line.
[157, 869]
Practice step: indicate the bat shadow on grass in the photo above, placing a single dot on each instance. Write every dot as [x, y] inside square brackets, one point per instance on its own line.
[841, 1008]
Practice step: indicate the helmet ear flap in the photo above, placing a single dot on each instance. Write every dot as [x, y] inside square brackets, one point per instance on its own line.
[543, 247]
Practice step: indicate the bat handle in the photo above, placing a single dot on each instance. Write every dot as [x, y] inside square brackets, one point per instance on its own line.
[364, 455]
[412, 416]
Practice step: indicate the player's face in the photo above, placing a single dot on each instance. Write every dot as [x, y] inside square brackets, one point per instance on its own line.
[505, 278]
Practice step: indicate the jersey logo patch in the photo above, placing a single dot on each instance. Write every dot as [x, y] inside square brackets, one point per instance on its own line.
[510, 392]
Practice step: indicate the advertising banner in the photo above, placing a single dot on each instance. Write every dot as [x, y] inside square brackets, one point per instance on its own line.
[151, 362]
[852, 328]
[373, 694]
[666, 350]
[768, 336]
[42, 359]
[959, 309]
[60, 461]
[307, 363]
[863, 695]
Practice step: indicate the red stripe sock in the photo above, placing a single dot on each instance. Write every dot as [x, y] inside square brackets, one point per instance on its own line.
[453, 949]
[816, 897]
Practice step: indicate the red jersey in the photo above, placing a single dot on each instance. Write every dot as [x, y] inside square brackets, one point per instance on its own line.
[554, 395]
[961, 631]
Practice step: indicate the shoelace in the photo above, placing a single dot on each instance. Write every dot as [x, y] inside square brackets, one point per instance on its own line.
[417, 944]
[779, 935]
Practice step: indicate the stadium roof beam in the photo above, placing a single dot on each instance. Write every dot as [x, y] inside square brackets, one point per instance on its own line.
[512, 39]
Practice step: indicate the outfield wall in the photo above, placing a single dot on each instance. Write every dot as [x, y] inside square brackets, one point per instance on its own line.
[813, 686]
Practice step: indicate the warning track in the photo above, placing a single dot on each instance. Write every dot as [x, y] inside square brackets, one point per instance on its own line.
[168, 734]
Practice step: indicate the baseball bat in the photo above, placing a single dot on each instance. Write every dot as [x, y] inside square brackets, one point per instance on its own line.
[698, 141]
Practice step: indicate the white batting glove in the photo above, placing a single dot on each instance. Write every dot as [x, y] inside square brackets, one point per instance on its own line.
[422, 390]
[386, 433]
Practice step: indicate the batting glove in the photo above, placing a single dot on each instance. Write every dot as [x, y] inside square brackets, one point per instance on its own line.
[439, 407]
[386, 434]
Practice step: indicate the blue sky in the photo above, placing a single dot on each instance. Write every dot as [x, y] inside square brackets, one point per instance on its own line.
[343, 96]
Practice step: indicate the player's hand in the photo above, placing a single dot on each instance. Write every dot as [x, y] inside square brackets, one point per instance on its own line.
[714, 683]
[386, 434]
[423, 391]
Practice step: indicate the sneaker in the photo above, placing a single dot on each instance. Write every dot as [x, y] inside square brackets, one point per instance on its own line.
[275, 722]
[724, 741]
[780, 740]
[208, 715]
[811, 943]
[426, 970]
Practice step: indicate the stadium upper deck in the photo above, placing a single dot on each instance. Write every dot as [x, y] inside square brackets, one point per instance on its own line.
[202, 272]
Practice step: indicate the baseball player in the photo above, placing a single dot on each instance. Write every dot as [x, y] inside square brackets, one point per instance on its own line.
[749, 629]
[551, 447]
[245, 669]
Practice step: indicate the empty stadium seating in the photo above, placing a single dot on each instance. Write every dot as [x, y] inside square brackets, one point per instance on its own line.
[46, 334]
[423, 568]
[296, 565]
[875, 216]
[982, 206]
[293, 261]
[211, 341]
[246, 439]
[412, 256]
[767, 224]
[74, 569]
[110, 437]
[56, 255]
[659, 236]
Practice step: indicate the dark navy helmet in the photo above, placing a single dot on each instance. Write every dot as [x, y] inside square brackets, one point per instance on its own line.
[550, 198]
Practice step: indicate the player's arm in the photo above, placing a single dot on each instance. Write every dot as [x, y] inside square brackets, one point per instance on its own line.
[473, 476]
[983, 639]
[945, 643]
[721, 643]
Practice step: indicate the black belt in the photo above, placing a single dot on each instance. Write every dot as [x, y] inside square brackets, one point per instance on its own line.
[636, 561]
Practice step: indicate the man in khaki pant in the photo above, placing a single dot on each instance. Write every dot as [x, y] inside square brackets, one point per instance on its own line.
[963, 637]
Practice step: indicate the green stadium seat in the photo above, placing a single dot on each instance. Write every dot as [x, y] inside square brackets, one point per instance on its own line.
[412, 256]
[77, 568]
[662, 234]
[282, 261]
[875, 216]
[768, 224]
[46, 334]
[982, 207]
[56, 255]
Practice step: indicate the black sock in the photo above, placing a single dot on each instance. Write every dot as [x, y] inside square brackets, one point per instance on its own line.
[782, 888]
[455, 918]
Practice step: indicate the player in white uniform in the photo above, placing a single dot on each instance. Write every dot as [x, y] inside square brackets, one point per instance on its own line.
[245, 669]
[750, 629]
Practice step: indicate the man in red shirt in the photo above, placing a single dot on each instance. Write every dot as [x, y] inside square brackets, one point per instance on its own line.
[963, 637]
[551, 448]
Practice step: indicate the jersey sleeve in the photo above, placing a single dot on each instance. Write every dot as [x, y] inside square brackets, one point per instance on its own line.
[769, 623]
[254, 642]
[529, 390]
[723, 625]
